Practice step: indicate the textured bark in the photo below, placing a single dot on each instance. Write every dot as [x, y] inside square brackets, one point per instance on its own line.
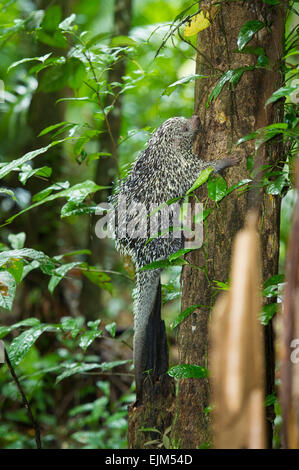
[106, 167]
[155, 400]
[235, 113]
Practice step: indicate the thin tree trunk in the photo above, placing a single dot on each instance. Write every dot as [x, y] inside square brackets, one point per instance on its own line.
[235, 113]
[106, 167]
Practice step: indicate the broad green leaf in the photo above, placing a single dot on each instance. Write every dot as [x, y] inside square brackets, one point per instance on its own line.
[110, 365]
[66, 24]
[22, 343]
[101, 280]
[45, 263]
[217, 188]
[184, 315]
[17, 240]
[201, 179]
[238, 185]
[27, 171]
[180, 253]
[76, 194]
[16, 269]
[232, 76]
[275, 187]
[72, 324]
[29, 59]
[188, 371]
[111, 328]
[8, 192]
[52, 18]
[88, 337]
[76, 368]
[282, 93]
[4, 330]
[247, 31]
[268, 313]
[26, 158]
[76, 73]
[48, 129]
[123, 41]
[47, 191]
[182, 81]
[72, 208]
[53, 39]
[59, 273]
[7, 289]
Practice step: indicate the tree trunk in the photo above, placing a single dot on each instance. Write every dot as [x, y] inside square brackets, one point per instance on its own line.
[106, 167]
[235, 113]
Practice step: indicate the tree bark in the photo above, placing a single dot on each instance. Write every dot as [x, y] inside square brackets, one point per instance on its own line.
[235, 113]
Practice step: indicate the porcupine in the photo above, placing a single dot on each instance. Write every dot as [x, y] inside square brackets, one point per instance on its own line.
[166, 169]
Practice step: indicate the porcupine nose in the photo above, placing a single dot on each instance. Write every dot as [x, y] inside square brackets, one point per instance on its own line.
[195, 121]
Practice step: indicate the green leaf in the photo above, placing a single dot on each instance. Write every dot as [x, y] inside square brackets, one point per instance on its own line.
[88, 337]
[59, 273]
[27, 171]
[168, 90]
[268, 313]
[48, 129]
[76, 193]
[26, 158]
[4, 330]
[101, 280]
[110, 365]
[180, 253]
[201, 179]
[123, 41]
[17, 240]
[66, 24]
[76, 73]
[72, 324]
[72, 208]
[188, 371]
[275, 187]
[184, 315]
[111, 328]
[76, 368]
[29, 59]
[247, 31]
[232, 76]
[238, 185]
[22, 344]
[53, 39]
[45, 263]
[7, 290]
[217, 188]
[282, 92]
[16, 269]
[47, 191]
[52, 18]
[222, 285]
[9, 192]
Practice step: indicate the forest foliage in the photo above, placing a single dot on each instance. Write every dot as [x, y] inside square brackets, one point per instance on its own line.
[58, 103]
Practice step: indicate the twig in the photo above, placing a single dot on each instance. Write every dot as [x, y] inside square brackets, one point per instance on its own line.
[25, 402]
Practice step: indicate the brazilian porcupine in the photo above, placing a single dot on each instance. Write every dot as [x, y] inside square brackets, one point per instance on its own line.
[166, 169]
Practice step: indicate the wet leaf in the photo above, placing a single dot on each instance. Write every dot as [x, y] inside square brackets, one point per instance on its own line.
[188, 371]
[247, 31]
